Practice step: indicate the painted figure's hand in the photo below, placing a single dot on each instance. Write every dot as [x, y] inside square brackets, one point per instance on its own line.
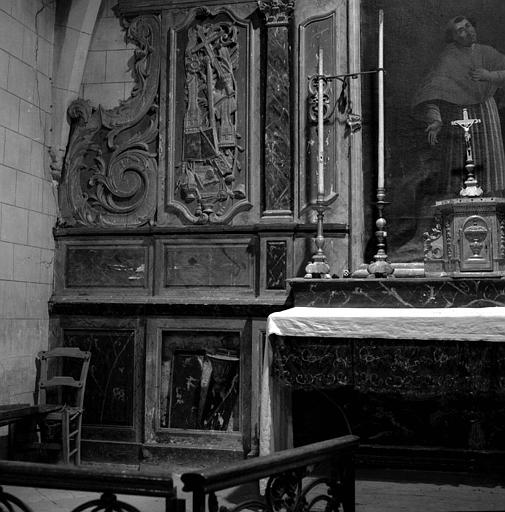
[433, 130]
[480, 75]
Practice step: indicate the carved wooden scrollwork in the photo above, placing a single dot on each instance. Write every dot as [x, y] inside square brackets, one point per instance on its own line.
[501, 221]
[209, 182]
[433, 241]
[111, 165]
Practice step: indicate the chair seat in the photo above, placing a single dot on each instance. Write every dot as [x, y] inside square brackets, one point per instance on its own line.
[71, 411]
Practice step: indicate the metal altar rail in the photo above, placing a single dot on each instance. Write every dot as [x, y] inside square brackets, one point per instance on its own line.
[318, 476]
[107, 483]
[308, 478]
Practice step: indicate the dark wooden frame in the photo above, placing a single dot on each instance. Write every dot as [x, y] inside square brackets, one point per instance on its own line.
[127, 434]
[155, 435]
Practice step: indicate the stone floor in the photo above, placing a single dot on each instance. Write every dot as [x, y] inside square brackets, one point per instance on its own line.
[376, 491]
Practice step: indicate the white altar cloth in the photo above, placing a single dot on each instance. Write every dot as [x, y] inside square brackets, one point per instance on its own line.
[444, 324]
[483, 324]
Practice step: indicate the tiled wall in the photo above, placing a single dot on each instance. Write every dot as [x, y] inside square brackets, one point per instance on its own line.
[107, 78]
[27, 194]
[28, 197]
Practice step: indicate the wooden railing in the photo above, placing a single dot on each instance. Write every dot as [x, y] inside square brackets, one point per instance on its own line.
[305, 479]
[318, 476]
[107, 483]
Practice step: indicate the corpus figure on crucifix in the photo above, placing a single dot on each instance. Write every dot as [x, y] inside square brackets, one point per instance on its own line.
[472, 188]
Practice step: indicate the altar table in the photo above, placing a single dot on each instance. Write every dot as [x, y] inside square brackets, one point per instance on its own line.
[469, 327]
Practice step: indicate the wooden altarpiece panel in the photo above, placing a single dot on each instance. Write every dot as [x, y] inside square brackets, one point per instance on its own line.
[209, 113]
[113, 400]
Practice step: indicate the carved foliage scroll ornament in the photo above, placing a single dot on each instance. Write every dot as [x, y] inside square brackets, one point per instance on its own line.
[111, 164]
[277, 12]
[209, 179]
[501, 220]
[433, 241]
[449, 220]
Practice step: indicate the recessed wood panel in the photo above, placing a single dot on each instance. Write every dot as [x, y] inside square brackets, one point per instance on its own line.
[213, 264]
[106, 266]
[109, 392]
[276, 271]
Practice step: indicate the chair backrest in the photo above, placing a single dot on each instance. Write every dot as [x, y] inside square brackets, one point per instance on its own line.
[63, 372]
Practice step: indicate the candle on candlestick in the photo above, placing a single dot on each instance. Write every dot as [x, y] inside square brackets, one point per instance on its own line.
[320, 128]
[380, 144]
[380, 267]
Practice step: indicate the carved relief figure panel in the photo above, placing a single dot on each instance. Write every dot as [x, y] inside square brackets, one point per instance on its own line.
[207, 118]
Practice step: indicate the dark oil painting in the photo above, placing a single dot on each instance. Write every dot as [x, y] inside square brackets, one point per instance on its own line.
[429, 77]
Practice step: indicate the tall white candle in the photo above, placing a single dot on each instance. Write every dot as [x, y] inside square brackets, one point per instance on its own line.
[320, 128]
[380, 144]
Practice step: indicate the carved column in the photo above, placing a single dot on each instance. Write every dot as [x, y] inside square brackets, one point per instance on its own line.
[278, 178]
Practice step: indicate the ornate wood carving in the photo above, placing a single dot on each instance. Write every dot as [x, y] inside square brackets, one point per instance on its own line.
[474, 251]
[111, 165]
[277, 12]
[208, 182]
[448, 235]
[501, 222]
[472, 237]
[433, 242]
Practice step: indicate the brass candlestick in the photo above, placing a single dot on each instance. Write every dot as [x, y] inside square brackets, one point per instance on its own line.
[381, 267]
[318, 267]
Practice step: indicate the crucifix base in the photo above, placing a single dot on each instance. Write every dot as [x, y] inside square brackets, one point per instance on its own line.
[471, 191]
[468, 239]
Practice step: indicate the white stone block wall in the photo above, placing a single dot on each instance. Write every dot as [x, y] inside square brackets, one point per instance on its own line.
[27, 195]
[107, 79]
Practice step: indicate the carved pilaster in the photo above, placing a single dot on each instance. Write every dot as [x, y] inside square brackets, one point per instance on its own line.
[110, 171]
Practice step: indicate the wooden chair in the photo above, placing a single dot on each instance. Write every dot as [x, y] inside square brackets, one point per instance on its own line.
[62, 381]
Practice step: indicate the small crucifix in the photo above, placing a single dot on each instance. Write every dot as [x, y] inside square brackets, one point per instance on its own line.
[472, 188]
